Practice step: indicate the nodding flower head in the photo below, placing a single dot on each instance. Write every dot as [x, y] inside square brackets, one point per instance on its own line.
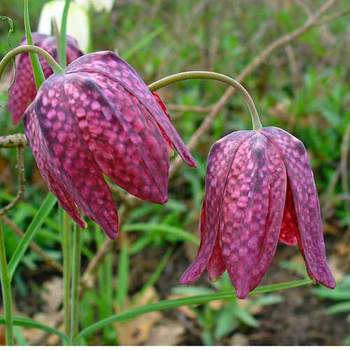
[23, 91]
[260, 190]
[99, 118]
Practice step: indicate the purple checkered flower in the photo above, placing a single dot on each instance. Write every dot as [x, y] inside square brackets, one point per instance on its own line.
[260, 190]
[99, 118]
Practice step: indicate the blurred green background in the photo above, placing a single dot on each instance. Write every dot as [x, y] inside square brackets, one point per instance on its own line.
[303, 87]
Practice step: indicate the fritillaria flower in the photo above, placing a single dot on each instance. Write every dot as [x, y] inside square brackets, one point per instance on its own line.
[23, 91]
[260, 190]
[99, 118]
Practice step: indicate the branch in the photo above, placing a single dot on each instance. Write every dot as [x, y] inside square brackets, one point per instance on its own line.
[41, 253]
[21, 182]
[11, 141]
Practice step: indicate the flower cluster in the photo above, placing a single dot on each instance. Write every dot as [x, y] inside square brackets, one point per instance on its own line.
[100, 119]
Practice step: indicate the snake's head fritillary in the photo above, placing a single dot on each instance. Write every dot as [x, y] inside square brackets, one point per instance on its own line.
[260, 190]
[99, 118]
[23, 91]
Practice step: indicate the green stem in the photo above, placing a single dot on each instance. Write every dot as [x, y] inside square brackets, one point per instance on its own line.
[74, 324]
[39, 76]
[57, 69]
[63, 35]
[66, 250]
[171, 79]
[6, 289]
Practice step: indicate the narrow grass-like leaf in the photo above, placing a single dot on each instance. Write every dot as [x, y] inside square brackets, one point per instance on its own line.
[143, 42]
[32, 229]
[174, 233]
[39, 76]
[123, 274]
[28, 323]
[339, 308]
[173, 304]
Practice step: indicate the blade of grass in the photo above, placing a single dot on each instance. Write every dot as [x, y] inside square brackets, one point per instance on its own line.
[28, 323]
[156, 274]
[63, 36]
[32, 229]
[39, 76]
[175, 232]
[123, 274]
[145, 41]
[172, 304]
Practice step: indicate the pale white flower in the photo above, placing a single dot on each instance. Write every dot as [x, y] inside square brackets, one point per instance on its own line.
[78, 23]
[98, 5]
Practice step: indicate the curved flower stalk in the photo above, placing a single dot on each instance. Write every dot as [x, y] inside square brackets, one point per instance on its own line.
[99, 118]
[23, 91]
[260, 190]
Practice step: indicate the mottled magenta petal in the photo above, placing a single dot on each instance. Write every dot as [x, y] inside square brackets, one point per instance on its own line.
[23, 91]
[219, 164]
[113, 67]
[252, 212]
[165, 110]
[306, 204]
[70, 156]
[216, 266]
[47, 168]
[123, 139]
[289, 230]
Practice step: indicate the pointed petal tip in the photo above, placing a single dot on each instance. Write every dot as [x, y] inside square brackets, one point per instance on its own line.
[185, 279]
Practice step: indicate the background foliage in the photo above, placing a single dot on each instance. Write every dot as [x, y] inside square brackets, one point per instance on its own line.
[303, 88]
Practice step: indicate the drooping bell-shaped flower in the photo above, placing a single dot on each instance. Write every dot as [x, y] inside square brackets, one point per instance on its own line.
[23, 91]
[99, 118]
[260, 190]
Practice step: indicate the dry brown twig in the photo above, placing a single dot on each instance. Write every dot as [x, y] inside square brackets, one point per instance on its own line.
[21, 182]
[51, 262]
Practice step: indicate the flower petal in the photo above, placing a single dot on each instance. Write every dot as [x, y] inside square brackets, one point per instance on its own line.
[220, 160]
[306, 204]
[23, 90]
[113, 67]
[125, 142]
[252, 212]
[289, 229]
[71, 156]
[46, 167]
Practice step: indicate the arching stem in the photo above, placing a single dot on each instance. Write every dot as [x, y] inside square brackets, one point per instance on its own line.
[57, 69]
[171, 79]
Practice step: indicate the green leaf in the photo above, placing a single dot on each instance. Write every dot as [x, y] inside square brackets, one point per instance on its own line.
[123, 274]
[28, 323]
[32, 229]
[226, 322]
[339, 308]
[332, 294]
[39, 76]
[173, 304]
[246, 318]
[171, 231]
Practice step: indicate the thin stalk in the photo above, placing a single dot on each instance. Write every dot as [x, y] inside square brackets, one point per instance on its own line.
[63, 36]
[6, 290]
[171, 79]
[67, 265]
[39, 76]
[57, 69]
[74, 324]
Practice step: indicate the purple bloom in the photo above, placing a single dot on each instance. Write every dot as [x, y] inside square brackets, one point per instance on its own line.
[260, 190]
[99, 118]
[23, 91]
